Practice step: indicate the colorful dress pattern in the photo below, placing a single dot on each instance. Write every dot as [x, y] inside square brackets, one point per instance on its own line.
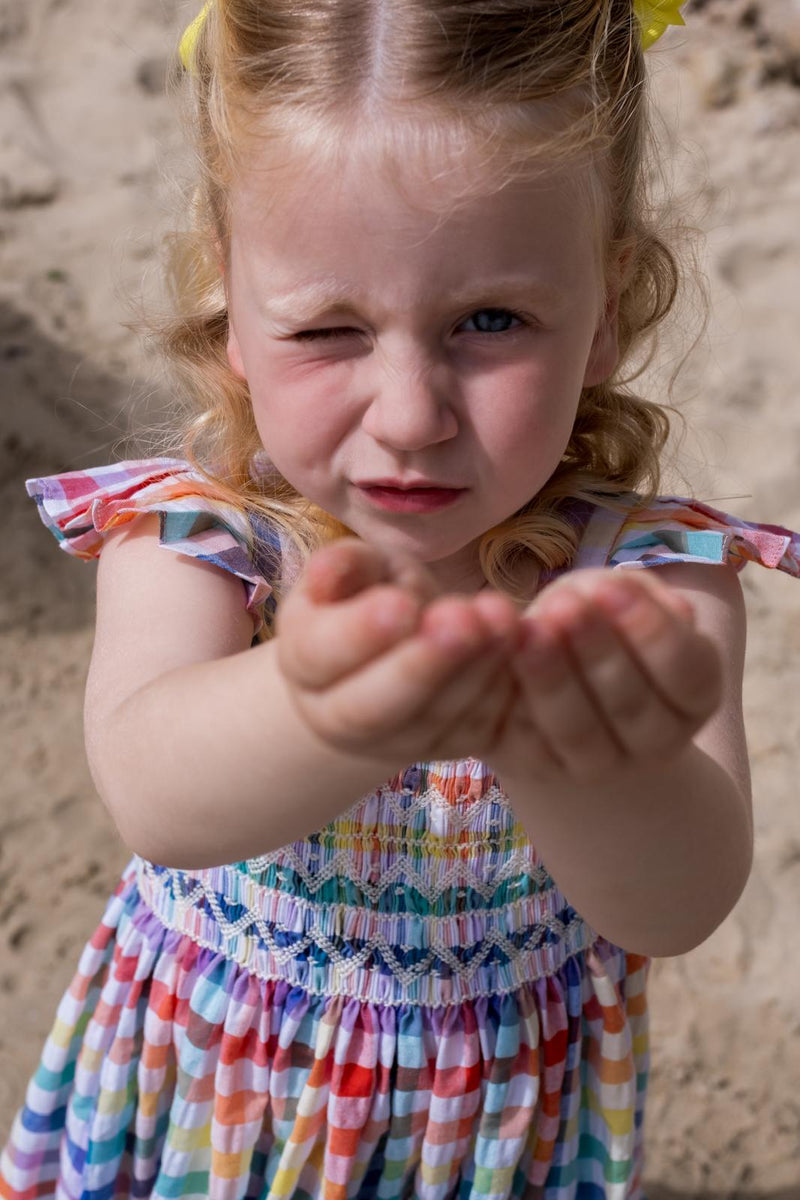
[401, 1006]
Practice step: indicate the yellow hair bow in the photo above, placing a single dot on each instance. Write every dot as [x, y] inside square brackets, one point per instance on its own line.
[654, 17]
[190, 36]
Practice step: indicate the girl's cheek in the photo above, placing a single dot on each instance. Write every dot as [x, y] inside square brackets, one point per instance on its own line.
[287, 369]
[297, 396]
[528, 396]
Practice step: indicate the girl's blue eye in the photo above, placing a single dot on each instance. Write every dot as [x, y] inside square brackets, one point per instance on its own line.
[492, 320]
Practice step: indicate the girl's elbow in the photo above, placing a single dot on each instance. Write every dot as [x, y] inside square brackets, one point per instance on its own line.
[123, 793]
[143, 830]
[709, 912]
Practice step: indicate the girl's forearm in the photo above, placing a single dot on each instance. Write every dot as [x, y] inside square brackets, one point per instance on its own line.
[655, 859]
[195, 775]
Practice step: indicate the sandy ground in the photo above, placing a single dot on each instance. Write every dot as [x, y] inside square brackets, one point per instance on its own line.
[86, 140]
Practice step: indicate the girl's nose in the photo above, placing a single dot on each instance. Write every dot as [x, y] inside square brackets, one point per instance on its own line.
[412, 404]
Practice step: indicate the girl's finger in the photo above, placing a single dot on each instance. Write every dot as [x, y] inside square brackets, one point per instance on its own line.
[419, 677]
[561, 707]
[639, 717]
[340, 570]
[348, 566]
[588, 583]
[320, 643]
[472, 708]
[500, 615]
[465, 714]
[682, 664]
[351, 603]
[669, 597]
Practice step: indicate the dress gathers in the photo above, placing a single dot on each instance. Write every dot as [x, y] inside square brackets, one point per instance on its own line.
[401, 1006]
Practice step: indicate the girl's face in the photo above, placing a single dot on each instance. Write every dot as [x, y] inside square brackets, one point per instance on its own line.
[415, 365]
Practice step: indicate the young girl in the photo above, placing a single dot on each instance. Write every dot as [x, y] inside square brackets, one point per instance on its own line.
[415, 784]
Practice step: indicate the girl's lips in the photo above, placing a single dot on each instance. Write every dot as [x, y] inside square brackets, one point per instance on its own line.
[417, 500]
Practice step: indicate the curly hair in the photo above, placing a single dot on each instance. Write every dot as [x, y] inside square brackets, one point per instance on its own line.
[489, 72]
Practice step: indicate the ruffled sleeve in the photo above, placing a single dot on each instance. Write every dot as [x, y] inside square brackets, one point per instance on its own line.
[673, 529]
[82, 507]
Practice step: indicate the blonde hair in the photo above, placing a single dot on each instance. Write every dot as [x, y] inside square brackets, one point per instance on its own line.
[488, 71]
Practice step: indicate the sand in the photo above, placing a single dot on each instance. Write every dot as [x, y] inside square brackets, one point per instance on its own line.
[87, 140]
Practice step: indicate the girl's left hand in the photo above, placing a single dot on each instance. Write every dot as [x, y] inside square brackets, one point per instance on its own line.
[611, 671]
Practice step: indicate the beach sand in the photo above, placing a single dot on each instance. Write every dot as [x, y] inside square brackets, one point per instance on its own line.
[87, 142]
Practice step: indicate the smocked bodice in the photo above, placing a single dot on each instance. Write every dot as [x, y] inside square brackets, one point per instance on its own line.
[425, 891]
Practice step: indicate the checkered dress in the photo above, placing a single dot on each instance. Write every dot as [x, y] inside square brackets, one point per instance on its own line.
[401, 1006]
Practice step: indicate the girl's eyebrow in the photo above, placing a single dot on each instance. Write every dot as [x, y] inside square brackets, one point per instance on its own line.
[308, 300]
[316, 298]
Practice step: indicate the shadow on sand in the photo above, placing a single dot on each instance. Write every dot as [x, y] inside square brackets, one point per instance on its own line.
[59, 412]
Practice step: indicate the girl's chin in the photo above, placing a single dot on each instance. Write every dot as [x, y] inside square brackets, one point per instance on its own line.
[454, 562]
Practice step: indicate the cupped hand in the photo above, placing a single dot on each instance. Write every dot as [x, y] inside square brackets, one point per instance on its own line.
[611, 671]
[379, 663]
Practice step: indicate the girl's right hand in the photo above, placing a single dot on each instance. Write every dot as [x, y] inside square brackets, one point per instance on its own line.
[379, 664]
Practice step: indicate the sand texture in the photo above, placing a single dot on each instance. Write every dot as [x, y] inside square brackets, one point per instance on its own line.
[87, 138]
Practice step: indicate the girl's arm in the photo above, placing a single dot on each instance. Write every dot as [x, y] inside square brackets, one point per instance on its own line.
[652, 840]
[197, 741]
[185, 722]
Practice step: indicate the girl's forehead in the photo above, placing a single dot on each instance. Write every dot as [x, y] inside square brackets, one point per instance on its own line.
[436, 167]
[372, 195]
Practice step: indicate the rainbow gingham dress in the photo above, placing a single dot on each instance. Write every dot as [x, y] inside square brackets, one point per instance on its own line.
[401, 1006]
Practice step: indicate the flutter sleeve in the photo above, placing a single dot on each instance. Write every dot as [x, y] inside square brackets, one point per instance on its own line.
[82, 507]
[672, 530]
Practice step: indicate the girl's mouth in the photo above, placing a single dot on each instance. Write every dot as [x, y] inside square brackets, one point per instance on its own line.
[414, 500]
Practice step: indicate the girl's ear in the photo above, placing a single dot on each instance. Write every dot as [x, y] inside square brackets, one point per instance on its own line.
[604, 354]
[234, 352]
